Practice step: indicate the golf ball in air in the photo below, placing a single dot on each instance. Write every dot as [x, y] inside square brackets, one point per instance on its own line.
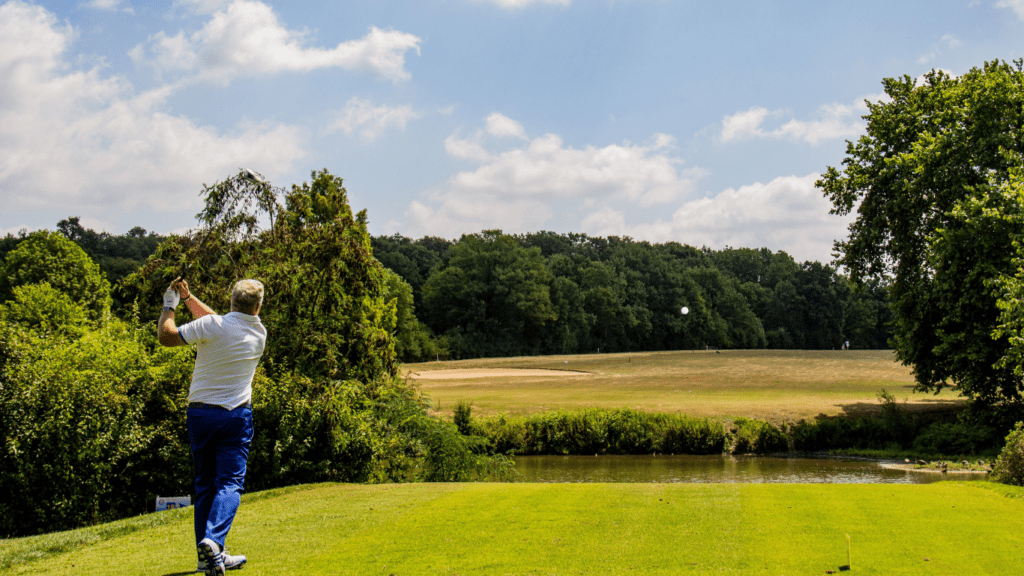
[685, 310]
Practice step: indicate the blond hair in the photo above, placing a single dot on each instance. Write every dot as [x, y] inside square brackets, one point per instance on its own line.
[246, 296]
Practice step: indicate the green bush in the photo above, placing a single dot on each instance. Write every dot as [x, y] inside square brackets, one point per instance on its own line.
[44, 309]
[951, 438]
[82, 430]
[758, 437]
[601, 431]
[897, 422]
[839, 433]
[463, 417]
[1009, 467]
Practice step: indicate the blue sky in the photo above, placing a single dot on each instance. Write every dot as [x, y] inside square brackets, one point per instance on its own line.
[700, 122]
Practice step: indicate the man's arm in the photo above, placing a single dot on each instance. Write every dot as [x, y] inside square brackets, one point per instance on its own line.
[167, 331]
[197, 308]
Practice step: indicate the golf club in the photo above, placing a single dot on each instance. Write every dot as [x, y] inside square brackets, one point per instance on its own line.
[245, 174]
[252, 176]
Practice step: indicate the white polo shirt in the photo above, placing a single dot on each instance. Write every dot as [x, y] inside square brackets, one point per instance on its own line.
[228, 348]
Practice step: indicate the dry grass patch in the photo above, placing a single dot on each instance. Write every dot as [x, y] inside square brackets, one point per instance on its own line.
[774, 385]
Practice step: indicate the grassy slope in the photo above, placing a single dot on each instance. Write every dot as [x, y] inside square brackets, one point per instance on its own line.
[944, 528]
[774, 385]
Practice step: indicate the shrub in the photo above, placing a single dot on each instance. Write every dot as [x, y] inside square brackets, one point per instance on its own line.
[80, 428]
[1009, 467]
[758, 437]
[687, 435]
[951, 438]
[44, 309]
[463, 417]
[899, 425]
[841, 433]
[601, 431]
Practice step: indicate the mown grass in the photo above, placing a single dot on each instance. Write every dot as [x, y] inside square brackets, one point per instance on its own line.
[503, 529]
[777, 386]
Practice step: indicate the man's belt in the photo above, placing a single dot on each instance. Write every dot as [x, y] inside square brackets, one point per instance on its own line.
[203, 405]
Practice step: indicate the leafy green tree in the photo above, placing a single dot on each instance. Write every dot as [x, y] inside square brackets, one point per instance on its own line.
[325, 293]
[413, 260]
[929, 152]
[10, 242]
[45, 310]
[735, 325]
[117, 255]
[591, 306]
[413, 340]
[49, 257]
[868, 317]
[824, 294]
[571, 332]
[491, 296]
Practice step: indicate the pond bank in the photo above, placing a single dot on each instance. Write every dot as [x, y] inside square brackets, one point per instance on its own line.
[721, 468]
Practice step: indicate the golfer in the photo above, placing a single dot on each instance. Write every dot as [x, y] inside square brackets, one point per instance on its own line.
[219, 407]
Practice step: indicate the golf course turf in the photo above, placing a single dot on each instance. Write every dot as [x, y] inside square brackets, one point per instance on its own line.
[505, 529]
[774, 385]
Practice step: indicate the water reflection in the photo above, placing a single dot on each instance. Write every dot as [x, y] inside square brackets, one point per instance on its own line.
[720, 469]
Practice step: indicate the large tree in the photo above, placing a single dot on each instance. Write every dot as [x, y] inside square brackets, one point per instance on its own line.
[933, 151]
[491, 296]
[49, 257]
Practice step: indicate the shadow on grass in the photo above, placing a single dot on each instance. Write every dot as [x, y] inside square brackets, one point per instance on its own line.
[921, 406]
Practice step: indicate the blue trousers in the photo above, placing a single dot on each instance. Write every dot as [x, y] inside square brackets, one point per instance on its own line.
[220, 441]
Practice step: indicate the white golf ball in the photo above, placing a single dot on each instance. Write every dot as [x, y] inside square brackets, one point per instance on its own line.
[685, 310]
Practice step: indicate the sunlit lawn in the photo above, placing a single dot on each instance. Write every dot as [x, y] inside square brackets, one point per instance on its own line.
[775, 385]
[500, 529]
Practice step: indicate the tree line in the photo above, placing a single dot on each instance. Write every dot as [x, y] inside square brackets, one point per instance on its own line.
[496, 294]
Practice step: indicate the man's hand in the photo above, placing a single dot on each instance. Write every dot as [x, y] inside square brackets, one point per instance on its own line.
[166, 331]
[181, 287]
[171, 299]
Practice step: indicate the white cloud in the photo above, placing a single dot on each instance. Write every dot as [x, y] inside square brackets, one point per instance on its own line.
[514, 4]
[370, 120]
[544, 167]
[81, 140]
[788, 213]
[108, 5]
[1016, 5]
[246, 39]
[16, 230]
[922, 79]
[834, 121]
[516, 188]
[948, 39]
[500, 125]
[744, 125]
[202, 6]
[467, 149]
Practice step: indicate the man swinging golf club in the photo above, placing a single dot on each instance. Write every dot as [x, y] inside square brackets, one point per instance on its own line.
[219, 417]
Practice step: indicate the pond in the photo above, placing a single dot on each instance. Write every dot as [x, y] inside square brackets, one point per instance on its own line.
[721, 469]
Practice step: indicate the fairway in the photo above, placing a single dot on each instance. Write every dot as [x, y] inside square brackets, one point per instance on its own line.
[504, 529]
[774, 385]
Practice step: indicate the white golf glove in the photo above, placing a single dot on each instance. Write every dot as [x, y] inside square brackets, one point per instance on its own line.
[171, 299]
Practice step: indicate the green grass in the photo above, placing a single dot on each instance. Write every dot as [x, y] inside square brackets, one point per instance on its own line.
[567, 529]
[777, 386]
